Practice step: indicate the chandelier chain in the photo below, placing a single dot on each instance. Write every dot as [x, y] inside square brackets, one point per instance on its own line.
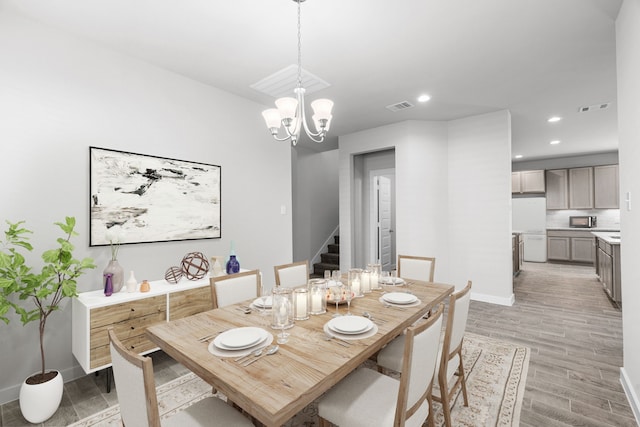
[299, 48]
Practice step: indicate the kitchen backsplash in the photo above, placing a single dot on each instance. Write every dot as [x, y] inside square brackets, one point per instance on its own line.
[607, 218]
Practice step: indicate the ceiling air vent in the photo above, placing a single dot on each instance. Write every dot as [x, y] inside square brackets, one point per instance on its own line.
[595, 107]
[399, 106]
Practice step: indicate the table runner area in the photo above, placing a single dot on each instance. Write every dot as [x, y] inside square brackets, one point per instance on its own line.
[496, 374]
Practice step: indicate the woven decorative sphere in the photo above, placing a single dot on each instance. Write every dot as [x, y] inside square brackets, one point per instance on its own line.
[195, 265]
[173, 274]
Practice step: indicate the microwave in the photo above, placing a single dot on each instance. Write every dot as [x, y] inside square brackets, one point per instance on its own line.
[582, 221]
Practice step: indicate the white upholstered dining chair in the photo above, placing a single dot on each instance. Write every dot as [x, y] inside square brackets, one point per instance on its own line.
[416, 267]
[136, 389]
[235, 288]
[292, 275]
[450, 370]
[368, 398]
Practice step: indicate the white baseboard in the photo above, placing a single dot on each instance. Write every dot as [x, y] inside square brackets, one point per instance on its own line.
[493, 299]
[12, 393]
[632, 397]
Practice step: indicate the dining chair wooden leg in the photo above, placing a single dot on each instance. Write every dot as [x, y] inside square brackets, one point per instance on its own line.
[430, 419]
[446, 410]
[463, 379]
[323, 422]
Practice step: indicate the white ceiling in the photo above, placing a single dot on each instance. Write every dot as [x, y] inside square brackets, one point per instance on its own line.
[537, 58]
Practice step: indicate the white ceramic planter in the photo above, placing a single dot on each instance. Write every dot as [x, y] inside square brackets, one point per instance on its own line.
[38, 402]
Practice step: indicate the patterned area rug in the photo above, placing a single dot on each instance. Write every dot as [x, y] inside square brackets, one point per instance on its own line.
[496, 374]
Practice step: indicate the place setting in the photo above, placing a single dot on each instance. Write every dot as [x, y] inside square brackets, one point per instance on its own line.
[399, 299]
[239, 342]
[350, 328]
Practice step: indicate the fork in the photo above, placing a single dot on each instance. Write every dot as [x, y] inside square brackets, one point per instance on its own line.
[387, 305]
[208, 337]
[339, 341]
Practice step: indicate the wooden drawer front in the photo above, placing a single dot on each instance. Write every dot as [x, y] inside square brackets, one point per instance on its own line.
[127, 310]
[570, 233]
[101, 356]
[192, 301]
[124, 330]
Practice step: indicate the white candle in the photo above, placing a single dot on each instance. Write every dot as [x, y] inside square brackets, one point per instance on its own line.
[366, 284]
[316, 302]
[301, 305]
[355, 287]
[374, 280]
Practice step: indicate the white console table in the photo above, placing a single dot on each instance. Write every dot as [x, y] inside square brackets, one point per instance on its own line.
[129, 314]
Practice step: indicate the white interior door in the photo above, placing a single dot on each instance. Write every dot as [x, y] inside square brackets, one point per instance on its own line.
[385, 237]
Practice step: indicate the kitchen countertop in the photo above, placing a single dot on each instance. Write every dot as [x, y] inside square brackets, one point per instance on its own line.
[596, 229]
[611, 238]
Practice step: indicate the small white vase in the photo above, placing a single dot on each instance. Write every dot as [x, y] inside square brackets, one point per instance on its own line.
[132, 283]
[38, 402]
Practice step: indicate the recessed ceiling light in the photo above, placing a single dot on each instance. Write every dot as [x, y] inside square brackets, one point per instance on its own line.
[554, 119]
[424, 98]
[555, 142]
[518, 156]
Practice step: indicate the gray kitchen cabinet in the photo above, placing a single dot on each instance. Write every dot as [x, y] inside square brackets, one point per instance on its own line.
[608, 268]
[581, 188]
[583, 249]
[606, 187]
[557, 189]
[558, 248]
[527, 182]
[573, 246]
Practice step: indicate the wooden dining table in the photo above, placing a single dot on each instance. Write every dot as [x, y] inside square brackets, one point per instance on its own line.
[276, 387]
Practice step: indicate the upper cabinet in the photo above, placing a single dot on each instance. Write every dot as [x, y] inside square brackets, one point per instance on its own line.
[527, 182]
[606, 187]
[557, 189]
[583, 188]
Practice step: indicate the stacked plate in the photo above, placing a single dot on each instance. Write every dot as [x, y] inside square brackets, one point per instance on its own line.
[401, 299]
[350, 327]
[258, 303]
[239, 341]
[393, 281]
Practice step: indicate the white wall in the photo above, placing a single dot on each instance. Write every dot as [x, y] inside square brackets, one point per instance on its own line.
[421, 152]
[480, 205]
[448, 177]
[61, 95]
[628, 70]
[315, 209]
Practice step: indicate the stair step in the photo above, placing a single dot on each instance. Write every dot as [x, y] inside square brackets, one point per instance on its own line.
[330, 258]
[336, 240]
[319, 268]
[334, 249]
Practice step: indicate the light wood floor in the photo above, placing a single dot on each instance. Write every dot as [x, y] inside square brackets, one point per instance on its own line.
[575, 336]
[561, 313]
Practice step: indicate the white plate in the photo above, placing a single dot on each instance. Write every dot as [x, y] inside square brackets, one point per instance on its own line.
[240, 338]
[413, 304]
[371, 332]
[350, 324]
[267, 303]
[394, 281]
[237, 353]
[399, 298]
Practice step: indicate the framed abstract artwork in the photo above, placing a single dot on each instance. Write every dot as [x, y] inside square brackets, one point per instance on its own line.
[139, 198]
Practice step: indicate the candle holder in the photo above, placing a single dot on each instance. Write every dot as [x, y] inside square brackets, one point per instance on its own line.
[374, 275]
[300, 304]
[365, 281]
[282, 308]
[317, 296]
[355, 282]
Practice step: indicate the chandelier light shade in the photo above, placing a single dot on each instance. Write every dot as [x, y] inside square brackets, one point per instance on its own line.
[290, 112]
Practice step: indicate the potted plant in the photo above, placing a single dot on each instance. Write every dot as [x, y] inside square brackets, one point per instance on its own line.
[46, 290]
